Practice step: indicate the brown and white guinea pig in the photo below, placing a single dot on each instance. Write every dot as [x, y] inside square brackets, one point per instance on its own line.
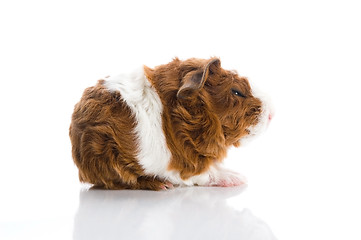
[171, 125]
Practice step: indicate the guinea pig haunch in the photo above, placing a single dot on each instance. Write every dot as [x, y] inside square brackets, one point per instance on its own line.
[171, 125]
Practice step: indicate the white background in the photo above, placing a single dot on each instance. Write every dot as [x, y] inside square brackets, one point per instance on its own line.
[304, 172]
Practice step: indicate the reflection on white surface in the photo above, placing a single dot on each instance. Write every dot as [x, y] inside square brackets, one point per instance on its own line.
[182, 213]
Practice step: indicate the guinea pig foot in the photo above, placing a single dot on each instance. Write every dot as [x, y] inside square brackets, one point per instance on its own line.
[227, 178]
[151, 183]
[167, 185]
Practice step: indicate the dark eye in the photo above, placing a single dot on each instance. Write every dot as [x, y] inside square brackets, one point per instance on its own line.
[238, 93]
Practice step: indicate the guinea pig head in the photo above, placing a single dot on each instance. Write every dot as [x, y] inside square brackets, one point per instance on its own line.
[241, 111]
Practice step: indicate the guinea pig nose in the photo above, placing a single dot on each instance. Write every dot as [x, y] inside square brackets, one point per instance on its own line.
[270, 117]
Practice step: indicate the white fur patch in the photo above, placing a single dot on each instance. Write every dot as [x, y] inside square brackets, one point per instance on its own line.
[143, 100]
[153, 153]
[217, 176]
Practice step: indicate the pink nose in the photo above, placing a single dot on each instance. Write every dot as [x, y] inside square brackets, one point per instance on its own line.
[270, 117]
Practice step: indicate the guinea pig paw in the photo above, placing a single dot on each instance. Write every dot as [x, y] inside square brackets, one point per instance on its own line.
[227, 178]
[167, 185]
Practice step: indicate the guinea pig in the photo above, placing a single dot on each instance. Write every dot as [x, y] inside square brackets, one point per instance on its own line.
[156, 128]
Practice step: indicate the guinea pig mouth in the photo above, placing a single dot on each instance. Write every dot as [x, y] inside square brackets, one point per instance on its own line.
[260, 124]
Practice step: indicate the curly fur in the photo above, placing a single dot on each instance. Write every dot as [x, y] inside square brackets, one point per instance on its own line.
[169, 125]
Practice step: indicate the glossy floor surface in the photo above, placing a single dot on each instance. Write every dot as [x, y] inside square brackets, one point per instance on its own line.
[184, 213]
[187, 213]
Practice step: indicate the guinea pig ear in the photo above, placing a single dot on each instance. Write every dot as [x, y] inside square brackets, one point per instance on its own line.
[195, 80]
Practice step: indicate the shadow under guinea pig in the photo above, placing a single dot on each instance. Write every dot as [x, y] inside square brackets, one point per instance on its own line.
[181, 213]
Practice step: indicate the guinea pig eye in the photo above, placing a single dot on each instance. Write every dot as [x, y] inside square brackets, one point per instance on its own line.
[238, 93]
